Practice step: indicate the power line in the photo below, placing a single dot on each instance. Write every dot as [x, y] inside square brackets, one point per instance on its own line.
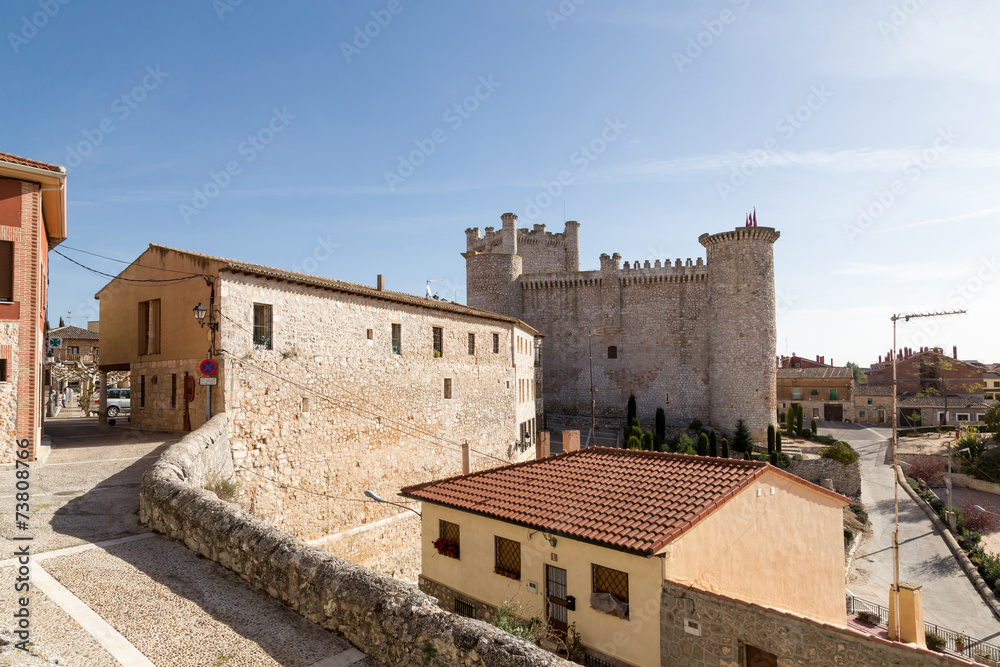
[122, 261]
[128, 280]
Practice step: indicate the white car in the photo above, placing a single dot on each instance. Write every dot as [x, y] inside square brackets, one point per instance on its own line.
[119, 400]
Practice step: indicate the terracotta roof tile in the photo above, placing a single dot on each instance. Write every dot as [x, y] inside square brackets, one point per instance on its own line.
[25, 162]
[629, 500]
[842, 372]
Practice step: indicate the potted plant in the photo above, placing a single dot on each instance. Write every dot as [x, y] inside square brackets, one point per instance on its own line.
[576, 651]
[960, 643]
[935, 642]
[446, 547]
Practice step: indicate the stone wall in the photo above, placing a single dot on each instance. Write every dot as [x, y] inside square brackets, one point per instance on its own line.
[8, 391]
[725, 628]
[389, 620]
[160, 412]
[846, 478]
[329, 413]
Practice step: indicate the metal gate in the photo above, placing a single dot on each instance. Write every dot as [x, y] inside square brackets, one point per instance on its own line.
[555, 593]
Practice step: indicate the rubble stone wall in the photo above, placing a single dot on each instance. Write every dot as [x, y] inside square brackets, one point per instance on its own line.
[389, 620]
[846, 478]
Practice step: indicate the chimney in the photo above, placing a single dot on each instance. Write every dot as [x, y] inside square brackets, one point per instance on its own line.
[954, 351]
[910, 615]
[818, 359]
[880, 358]
[831, 361]
[466, 462]
[571, 441]
[380, 283]
[543, 448]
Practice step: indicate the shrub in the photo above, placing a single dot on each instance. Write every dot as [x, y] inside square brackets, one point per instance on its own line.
[777, 442]
[634, 443]
[742, 440]
[848, 536]
[713, 444]
[812, 425]
[935, 642]
[725, 448]
[781, 461]
[928, 468]
[987, 466]
[770, 438]
[225, 489]
[798, 418]
[685, 445]
[702, 444]
[860, 512]
[790, 421]
[506, 618]
[980, 522]
[869, 617]
[747, 456]
[647, 441]
[840, 452]
[631, 409]
[695, 425]
[661, 423]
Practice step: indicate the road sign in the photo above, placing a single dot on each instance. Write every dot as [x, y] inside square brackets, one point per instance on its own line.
[208, 382]
[208, 367]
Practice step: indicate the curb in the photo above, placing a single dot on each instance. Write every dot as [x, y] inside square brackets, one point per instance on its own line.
[970, 570]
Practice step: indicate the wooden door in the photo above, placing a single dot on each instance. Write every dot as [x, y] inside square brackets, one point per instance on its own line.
[555, 594]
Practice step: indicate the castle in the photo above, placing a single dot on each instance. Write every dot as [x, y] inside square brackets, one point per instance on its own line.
[697, 339]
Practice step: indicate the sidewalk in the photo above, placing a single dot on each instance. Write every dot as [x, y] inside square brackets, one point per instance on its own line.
[107, 592]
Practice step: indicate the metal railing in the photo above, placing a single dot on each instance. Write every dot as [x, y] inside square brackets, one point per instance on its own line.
[973, 647]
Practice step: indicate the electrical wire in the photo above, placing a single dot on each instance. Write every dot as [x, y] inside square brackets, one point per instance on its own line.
[128, 280]
[122, 261]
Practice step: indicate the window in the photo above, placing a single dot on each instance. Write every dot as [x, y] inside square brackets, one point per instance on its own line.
[6, 270]
[870, 401]
[815, 412]
[173, 390]
[614, 583]
[962, 417]
[447, 387]
[472, 343]
[438, 341]
[612, 352]
[72, 349]
[397, 339]
[538, 388]
[149, 327]
[996, 383]
[306, 404]
[262, 331]
[496, 343]
[980, 417]
[796, 394]
[861, 413]
[371, 334]
[3, 370]
[465, 608]
[449, 541]
[814, 392]
[94, 351]
[142, 391]
[508, 557]
[833, 394]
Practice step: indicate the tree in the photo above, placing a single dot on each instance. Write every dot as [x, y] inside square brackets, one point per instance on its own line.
[770, 438]
[790, 421]
[798, 417]
[631, 414]
[702, 444]
[661, 424]
[61, 323]
[685, 445]
[695, 425]
[634, 443]
[747, 457]
[992, 421]
[713, 444]
[812, 425]
[647, 441]
[777, 442]
[742, 439]
[725, 448]
[860, 378]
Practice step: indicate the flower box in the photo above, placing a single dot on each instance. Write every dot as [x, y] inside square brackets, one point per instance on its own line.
[447, 548]
[505, 573]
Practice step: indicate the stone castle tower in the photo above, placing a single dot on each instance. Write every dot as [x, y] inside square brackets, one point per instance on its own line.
[695, 338]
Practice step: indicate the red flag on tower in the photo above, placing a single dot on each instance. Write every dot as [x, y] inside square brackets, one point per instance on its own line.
[754, 216]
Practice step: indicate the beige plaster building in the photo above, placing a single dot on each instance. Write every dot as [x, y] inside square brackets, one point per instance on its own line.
[991, 385]
[331, 388]
[606, 538]
[825, 393]
[76, 344]
[694, 338]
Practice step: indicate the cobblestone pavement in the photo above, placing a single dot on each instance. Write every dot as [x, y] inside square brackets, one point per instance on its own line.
[950, 600]
[107, 592]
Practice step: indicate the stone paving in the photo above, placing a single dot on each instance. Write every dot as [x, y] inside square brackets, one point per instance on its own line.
[107, 592]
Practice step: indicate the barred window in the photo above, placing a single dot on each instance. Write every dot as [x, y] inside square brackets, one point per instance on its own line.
[508, 557]
[496, 343]
[262, 332]
[447, 387]
[397, 338]
[438, 341]
[613, 583]
[472, 343]
[612, 352]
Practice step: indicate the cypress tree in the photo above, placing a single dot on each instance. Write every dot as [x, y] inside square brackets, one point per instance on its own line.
[770, 438]
[713, 444]
[798, 414]
[742, 439]
[631, 409]
[746, 456]
[725, 448]
[647, 441]
[777, 443]
[702, 444]
[790, 421]
[634, 443]
[661, 424]
[812, 425]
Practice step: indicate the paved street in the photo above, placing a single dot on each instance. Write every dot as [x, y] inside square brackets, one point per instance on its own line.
[950, 600]
[107, 592]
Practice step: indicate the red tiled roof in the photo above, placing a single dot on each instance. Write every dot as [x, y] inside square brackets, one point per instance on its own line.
[623, 499]
[830, 372]
[72, 332]
[25, 162]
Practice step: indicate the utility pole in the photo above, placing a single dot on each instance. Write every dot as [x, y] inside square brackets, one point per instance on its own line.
[894, 620]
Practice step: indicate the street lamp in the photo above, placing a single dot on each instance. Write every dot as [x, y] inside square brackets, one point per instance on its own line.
[374, 496]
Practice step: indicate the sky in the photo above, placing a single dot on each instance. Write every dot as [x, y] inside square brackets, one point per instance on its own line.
[349, 139]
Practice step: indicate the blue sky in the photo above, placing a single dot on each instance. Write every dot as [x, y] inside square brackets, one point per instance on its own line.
[865, 131]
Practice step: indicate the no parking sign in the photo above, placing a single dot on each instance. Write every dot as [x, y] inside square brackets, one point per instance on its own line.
[208, 367]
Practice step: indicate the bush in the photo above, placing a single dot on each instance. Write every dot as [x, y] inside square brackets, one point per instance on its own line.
[702, 444]
[633, 443]
[824, 439]
[790, 422]
[630, 410]
[987, 466]
[980, 522]
[685, 445]
[848, 536]
[661, 424]
[695, 425]
[935, 642]
[713, 444]
[770, 438]
[647, 441]
[725, 448]
[860, 512]
[812, 425]
[869, 617]
[928, 468]
[840, 452]
[777, 442]
[742, 439]
[506, 618]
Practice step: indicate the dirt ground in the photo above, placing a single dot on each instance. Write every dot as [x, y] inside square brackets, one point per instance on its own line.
[926, 443]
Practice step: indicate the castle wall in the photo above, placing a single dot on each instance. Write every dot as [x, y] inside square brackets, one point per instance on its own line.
[540, 251]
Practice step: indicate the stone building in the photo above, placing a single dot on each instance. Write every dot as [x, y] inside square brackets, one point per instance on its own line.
[695, 338]
[330, 388]
[76, 344]
[32, 221]
[873, 405]
[929, 371]
[825, 393]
